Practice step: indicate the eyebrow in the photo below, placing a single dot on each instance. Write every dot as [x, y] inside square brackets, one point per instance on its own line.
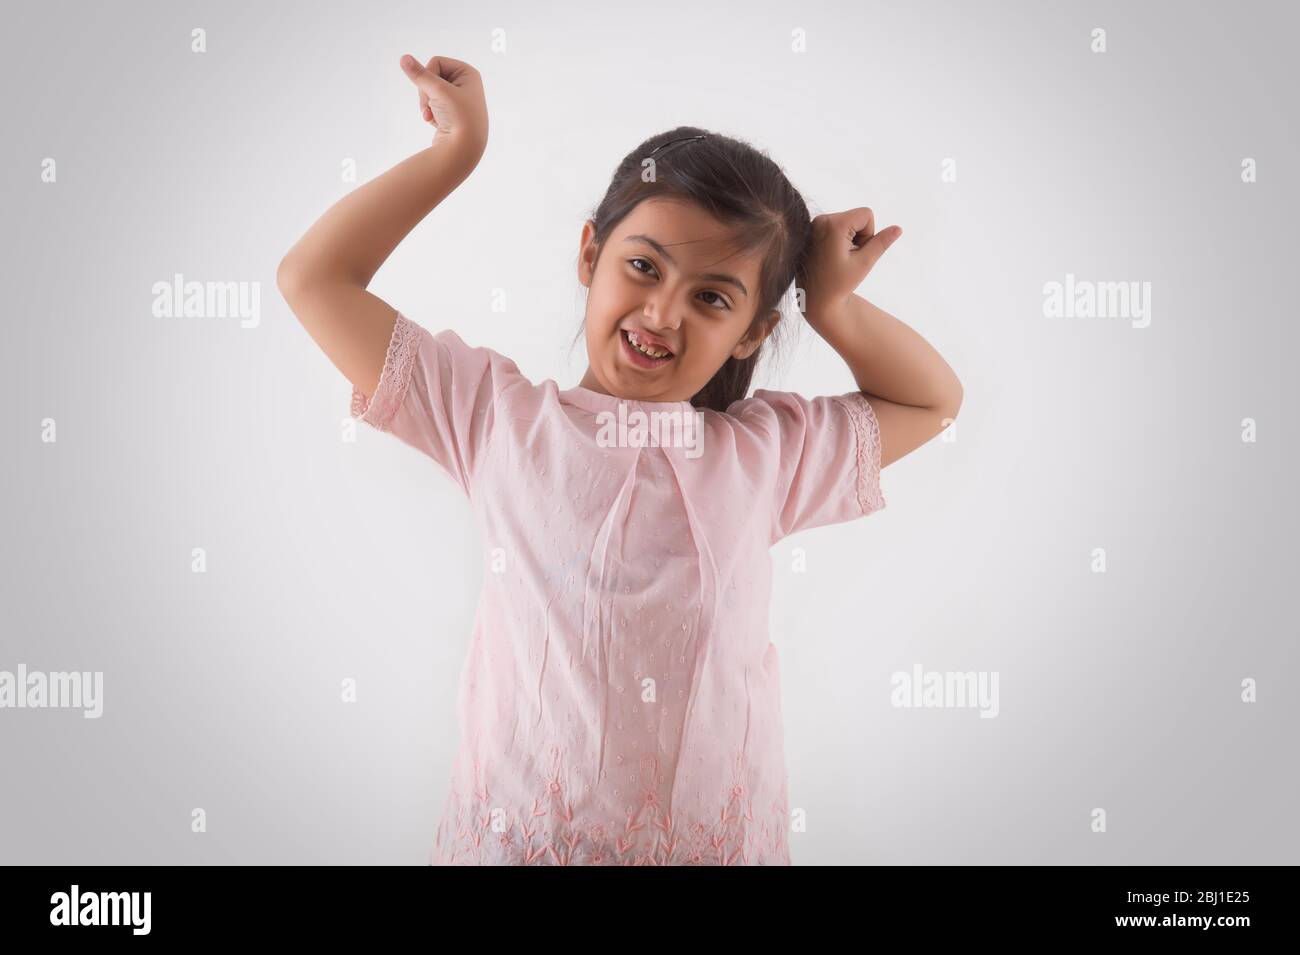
[707, 276]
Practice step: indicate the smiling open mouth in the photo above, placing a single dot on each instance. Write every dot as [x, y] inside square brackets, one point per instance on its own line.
[641, 355]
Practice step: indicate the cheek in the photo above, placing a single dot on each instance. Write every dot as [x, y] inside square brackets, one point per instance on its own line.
[710, 342]
[607, 304]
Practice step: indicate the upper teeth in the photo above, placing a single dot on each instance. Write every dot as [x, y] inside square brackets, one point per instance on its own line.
[636, 343]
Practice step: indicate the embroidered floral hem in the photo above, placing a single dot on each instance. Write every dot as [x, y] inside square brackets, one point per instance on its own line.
[545, 834]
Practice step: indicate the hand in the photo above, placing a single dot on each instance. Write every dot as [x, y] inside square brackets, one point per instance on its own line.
[451, 98]
[845, 247]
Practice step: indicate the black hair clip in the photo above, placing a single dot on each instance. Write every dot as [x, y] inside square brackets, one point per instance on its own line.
[674, 142]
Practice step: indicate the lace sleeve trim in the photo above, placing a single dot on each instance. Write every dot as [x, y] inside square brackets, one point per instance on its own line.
[378, 409]
[867, 431]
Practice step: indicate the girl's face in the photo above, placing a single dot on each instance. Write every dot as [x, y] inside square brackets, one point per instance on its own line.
[669, 277]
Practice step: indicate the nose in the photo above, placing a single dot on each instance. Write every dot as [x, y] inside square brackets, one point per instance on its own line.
[663, 317]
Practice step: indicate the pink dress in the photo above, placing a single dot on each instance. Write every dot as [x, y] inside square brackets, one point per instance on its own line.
[620, 701]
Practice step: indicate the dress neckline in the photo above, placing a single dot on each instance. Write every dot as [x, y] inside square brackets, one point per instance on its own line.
[597, 401]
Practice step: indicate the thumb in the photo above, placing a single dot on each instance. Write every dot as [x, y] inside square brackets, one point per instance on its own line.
[876, 246]
[431, 83]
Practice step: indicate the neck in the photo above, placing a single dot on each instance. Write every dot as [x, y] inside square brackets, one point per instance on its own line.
[591, 383]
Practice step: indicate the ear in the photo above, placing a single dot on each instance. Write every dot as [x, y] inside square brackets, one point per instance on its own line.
[749, 344]
[587, 253]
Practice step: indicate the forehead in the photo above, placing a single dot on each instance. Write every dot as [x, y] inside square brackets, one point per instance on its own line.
[696, 239]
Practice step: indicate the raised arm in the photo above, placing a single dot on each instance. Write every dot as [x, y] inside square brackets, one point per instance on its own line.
[910, 387]
[323, 278]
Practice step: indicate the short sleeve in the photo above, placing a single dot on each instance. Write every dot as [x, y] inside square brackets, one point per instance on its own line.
[438, 395]
[827, 452]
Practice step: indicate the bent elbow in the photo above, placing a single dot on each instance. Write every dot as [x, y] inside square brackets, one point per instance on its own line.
[288, 278]
[951, 404]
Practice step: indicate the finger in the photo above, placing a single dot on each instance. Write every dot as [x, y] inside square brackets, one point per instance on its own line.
[850, 223]
[852, 229]
[425, 110]
[427, 84]
[421, 99]
[861, 225]
[450, 69]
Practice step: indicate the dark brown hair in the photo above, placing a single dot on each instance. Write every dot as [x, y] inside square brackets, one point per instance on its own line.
[743, 188]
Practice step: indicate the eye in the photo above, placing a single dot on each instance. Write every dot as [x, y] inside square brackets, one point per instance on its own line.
[724, 306]
[719, 298]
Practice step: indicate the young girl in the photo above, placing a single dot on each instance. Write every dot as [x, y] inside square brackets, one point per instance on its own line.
[620, 701]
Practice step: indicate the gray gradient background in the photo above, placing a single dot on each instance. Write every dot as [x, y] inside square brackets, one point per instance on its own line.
[329, 560]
